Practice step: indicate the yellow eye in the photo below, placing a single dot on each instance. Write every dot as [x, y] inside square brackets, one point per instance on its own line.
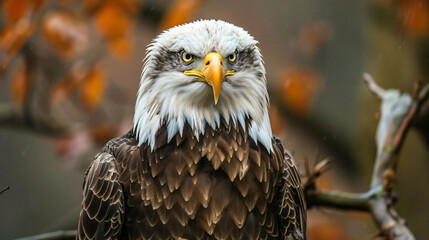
[232, 58]
[187, 57]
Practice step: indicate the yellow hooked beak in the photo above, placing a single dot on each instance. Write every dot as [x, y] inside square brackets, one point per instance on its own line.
[213, 73]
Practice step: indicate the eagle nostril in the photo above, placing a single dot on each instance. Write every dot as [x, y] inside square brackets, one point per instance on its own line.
[207, 63]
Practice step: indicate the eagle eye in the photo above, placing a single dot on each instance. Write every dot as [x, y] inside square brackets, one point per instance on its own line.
[232, 58]
[187, 57]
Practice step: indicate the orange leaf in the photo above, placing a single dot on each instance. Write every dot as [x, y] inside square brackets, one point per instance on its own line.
[120, 47]
[14, 10]
[67, 1]
[38, 4]
[299, 87]
[415, 16]
[62, 89]
[92, 5]
[92, 89]
[112, 21]
[20, 84]
[114, 25]
[128, 5]
[179, 12]
[13, 38]
[66, 33]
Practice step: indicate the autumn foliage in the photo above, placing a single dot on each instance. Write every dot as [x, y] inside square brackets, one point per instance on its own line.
[56, 50]
[299, 87]
[414, 16]
[67, 31]
[179, 12]
[114, 22]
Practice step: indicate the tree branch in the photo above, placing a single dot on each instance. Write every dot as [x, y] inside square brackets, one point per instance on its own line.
[339, 200]
[398, 111]
[4, 190]
[372, 85]
[11, 117]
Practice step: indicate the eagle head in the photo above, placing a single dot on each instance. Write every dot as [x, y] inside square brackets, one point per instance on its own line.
[198, 74]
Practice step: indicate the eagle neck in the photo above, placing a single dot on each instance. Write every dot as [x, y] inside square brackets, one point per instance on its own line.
[146, 127]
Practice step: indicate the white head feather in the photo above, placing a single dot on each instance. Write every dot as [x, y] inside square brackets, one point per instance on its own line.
[168, 96]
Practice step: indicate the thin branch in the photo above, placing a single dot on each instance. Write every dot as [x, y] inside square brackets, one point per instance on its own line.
[424, 94]
[397, 113]
[375, 89]
[339, 200]
[4, 190]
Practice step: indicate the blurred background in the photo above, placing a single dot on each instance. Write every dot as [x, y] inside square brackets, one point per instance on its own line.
[70, 69]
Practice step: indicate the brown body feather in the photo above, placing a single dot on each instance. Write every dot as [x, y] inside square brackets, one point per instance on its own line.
[220, 186]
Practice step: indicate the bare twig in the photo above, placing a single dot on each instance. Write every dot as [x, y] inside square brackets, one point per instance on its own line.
[397, 113]
[307, 167]
[424, 94]
[375, 89]
[320, 168]
[333, 199]
[4, 190]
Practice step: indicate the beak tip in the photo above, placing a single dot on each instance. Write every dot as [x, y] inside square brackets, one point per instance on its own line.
[216, 100]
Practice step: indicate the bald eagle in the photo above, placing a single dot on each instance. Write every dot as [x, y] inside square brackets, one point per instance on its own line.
[201, 161]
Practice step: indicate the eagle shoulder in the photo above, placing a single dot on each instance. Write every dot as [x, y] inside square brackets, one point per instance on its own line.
[291, 203]
[103, 208]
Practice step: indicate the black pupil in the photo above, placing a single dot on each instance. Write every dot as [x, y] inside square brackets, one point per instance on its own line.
[187, 56]
[231, 56]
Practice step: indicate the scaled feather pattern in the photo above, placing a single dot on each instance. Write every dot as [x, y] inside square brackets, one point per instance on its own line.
[191, 167]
